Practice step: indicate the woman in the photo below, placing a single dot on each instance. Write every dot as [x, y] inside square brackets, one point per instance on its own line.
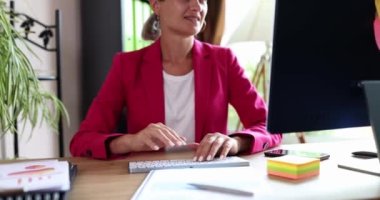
[176, 92]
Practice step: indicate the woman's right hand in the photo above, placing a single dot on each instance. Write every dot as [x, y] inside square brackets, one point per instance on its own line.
[151, 138]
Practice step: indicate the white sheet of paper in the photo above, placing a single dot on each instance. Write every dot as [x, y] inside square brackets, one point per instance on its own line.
[35, 175]
[369, 166]
[173, 183]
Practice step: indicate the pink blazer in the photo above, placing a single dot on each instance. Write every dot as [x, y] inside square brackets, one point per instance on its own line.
[135, 81]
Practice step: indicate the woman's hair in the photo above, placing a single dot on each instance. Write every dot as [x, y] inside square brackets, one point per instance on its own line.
[151, 29]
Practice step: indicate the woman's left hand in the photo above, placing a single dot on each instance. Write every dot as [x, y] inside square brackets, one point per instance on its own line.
[214, 144]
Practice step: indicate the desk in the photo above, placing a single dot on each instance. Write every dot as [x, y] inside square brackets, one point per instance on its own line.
[109, 180]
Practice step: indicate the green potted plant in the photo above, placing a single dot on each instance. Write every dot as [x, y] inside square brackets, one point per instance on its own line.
[22, 99]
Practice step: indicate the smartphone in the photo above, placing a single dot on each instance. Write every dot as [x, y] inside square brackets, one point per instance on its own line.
[309, 154]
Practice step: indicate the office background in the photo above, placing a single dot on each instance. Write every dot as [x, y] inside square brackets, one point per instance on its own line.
[44, 143]
[91, 34]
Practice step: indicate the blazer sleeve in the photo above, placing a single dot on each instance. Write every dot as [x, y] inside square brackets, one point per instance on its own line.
[250, 107]
[102, 116]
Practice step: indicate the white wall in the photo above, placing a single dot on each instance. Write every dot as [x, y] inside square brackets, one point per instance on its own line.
[43, 142]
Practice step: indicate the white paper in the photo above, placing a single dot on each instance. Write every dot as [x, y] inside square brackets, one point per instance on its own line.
[35, 175]
[369, 166]
[174, 183]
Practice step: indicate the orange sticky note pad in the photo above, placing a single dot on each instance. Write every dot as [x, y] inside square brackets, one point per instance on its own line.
[293, 167]
[376, 27]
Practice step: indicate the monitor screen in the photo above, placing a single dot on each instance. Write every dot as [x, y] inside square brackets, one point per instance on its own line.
[322, 50]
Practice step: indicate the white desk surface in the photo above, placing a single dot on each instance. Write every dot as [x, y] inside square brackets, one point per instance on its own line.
[110, 179]
[332, 182]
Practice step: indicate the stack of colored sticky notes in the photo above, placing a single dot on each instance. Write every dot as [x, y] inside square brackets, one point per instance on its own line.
[293, 167]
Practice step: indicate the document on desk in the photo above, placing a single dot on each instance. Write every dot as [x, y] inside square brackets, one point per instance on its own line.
[199, 183]
[369, 166]
[34, 175]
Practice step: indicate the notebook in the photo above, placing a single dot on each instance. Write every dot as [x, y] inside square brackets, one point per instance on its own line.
[369, 166]
[47, 179]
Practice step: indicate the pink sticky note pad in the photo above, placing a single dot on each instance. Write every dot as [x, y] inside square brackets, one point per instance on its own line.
[376, 27]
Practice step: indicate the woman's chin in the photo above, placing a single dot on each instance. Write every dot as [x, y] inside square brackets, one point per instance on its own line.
[186, 32]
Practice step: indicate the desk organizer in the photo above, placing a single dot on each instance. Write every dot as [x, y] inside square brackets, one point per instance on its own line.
[293, 167]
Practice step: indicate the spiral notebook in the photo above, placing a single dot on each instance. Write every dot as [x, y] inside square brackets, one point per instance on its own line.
[47, 179]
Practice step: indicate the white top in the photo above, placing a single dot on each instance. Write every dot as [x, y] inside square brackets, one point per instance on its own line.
[179, 104]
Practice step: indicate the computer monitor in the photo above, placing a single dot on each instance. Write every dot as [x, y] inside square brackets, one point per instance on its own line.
[322, 50]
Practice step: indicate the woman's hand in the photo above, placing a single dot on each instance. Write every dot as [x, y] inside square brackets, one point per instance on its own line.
[152, 138]
[219, 144]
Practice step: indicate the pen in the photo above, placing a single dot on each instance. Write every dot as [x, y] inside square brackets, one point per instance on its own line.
[221, 189]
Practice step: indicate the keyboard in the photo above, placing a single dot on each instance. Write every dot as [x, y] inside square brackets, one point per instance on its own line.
[146, 166]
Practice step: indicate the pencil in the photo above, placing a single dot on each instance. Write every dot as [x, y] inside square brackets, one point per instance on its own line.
[221, 189]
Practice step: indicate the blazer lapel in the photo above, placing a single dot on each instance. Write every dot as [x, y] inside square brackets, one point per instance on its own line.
[202, 79]
[152, 79]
